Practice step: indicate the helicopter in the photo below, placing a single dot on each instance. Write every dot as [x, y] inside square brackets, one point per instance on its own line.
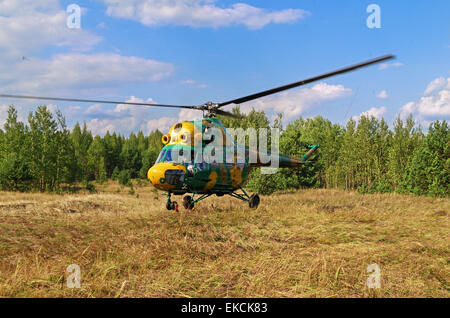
[183, 168]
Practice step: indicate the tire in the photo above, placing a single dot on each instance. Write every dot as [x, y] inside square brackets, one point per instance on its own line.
[187, 202]
[253, 203]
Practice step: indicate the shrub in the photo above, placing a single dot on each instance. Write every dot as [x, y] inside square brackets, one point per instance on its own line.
[115, 174]
[91, 187]
[125, 177]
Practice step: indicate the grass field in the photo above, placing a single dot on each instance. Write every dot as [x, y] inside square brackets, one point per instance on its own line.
[311, 243]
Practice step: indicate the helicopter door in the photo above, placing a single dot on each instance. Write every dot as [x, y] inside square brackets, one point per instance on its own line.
[201, 172]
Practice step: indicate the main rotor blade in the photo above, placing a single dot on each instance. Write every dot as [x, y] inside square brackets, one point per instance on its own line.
[225, 113]
[95, 101]
[306, 81]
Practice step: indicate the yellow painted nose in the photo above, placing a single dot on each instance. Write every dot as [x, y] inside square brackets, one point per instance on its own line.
[157, 175]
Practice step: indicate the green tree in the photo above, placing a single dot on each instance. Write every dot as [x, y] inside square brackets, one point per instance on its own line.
[125, 177]
[115, 174]
[102, 177]
[406, 141]
[429, 172]
[95, 154]
[44, 152]
[130, 156]
[113, 148]
[15, 170]
[81, 140]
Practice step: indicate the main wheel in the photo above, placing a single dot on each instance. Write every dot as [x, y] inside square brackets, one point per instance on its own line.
[171, 205]
[254, 201]
[187, 202]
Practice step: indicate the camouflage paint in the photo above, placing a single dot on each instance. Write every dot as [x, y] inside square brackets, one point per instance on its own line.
[219, 178]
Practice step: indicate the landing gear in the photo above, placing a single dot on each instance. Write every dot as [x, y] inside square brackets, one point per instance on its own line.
[253, 202]
[171, 205]
[188, 202]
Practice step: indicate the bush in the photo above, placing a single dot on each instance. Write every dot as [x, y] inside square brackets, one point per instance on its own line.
[15, 174]
[383, 187]
[362, 189]
[91, 187]
[125, 177]
[115, 174]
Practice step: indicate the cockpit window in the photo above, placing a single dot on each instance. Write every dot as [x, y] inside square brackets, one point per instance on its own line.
[161, 156]
[169, 156]
[175, 155]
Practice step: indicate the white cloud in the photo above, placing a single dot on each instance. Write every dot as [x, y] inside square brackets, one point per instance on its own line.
[28, 25]
[189, 114]
[101, 126]
[102, 25]
[384, 66]
[435, 105]
[382, 95]
[72, 110]
[435, 85]
[78, 71]
[163, 124]
[23, 110]
[128, 118]
[3, 114]
[407, 109]
[295, 102]
[192, 83]
[199, 13]
[374, 111]
[122, 118]
[188, 82]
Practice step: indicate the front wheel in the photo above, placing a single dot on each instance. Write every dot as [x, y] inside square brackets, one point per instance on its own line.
[172, 205]
[253, 203]
[188, 203]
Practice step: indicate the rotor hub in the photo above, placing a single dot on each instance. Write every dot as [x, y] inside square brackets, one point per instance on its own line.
[210, 108]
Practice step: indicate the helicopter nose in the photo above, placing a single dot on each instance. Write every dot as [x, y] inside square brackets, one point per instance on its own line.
[166, 176]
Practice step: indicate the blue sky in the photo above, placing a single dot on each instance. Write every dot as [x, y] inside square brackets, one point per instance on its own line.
[192, 51]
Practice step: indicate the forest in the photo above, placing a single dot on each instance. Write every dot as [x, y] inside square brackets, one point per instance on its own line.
[368, 156]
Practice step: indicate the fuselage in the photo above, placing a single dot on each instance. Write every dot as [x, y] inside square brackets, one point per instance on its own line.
[181, 166]
[185, 164]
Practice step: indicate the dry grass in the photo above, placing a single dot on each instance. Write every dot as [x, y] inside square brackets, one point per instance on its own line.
[312, 243]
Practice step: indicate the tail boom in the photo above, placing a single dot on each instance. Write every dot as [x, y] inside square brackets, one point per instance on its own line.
[286, 161]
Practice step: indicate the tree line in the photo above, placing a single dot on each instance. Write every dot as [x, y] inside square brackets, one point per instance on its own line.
[364, 155]
[46, 156]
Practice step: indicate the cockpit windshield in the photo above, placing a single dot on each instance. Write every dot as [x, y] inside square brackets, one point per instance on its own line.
[175, 155]
[161, 156]
[170, 156]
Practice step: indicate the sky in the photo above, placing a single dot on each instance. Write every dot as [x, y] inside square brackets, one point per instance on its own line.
[187, 52]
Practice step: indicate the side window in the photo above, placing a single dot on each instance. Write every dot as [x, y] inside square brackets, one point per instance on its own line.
[200, 164]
